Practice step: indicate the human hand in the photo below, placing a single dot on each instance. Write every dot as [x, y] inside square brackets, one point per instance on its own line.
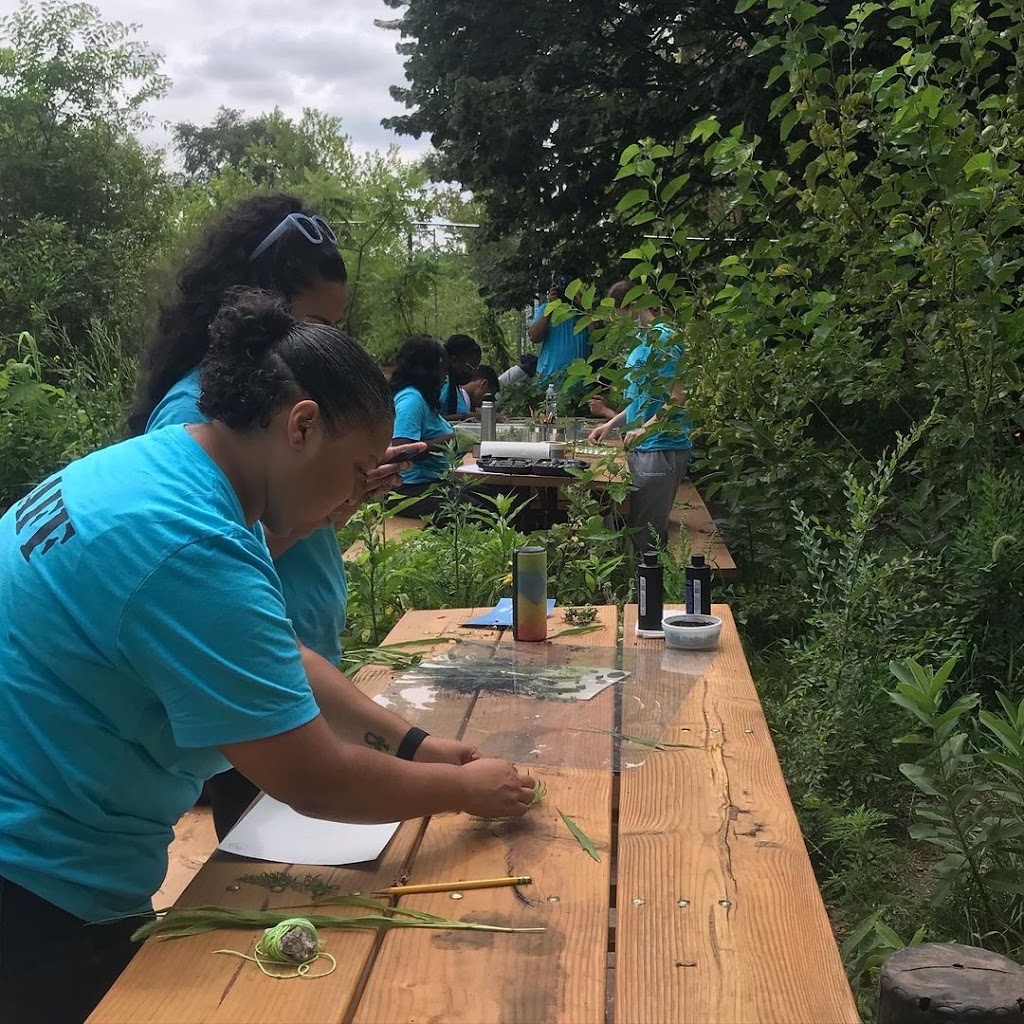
[386, 477]
[441, 750]
[597, 406]
[631, 438]
[598, 434]
[494, 789]
[554, 295]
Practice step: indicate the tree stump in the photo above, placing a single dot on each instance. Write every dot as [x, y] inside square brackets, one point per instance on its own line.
[946, 982]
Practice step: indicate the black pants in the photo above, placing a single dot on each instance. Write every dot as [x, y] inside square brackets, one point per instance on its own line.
[55, 968]
[230, 795]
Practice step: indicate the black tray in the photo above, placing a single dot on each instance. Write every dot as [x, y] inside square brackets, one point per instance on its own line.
[529, 467]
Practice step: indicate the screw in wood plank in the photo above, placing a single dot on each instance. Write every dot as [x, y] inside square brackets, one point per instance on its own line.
[682, 903]
[725, 903]
[233, 888]
[277, 888]
[357, 892]
[686, 963]
[455, 896]
[638, 901]
[554, 899]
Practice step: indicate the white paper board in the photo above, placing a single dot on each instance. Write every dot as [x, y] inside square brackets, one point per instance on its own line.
[273, 831]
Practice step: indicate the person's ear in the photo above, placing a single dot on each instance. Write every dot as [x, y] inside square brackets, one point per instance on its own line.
[303, 421]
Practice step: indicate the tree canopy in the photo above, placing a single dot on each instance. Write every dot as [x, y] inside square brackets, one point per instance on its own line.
[530, 105]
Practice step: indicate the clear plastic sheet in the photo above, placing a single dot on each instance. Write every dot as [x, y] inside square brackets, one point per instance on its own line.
[555, 705]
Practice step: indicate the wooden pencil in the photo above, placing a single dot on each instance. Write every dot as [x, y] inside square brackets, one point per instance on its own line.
[481, 883]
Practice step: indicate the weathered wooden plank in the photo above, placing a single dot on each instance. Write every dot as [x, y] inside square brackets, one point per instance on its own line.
[719, 914]
[173, 981]
[691, 514]
[558, 975]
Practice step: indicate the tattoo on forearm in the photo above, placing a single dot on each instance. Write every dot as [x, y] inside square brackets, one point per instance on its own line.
[371, 739]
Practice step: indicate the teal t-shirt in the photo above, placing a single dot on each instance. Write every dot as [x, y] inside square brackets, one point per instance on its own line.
[312, 570]
[143, 628]
[415, 420]
[651, 370]
[561, 345]
[462, 406]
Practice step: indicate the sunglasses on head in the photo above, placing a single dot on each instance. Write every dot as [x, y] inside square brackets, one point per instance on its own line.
[314, 229]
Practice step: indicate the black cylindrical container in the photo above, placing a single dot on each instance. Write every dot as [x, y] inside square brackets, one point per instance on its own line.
[650, 589]
[698, 586]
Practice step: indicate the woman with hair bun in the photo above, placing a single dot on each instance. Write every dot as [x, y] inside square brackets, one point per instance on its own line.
[147, 645]
[276, 243]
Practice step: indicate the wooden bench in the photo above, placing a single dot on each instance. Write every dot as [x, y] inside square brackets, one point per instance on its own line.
[394, 528]
[691, 514]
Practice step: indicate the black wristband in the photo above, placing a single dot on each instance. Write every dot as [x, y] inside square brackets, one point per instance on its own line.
[411, 743]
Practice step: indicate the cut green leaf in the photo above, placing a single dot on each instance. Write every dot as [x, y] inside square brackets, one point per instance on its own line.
[581, 837]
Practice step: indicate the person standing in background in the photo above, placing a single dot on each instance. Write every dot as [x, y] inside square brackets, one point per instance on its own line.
[658, 445]
[559, 343]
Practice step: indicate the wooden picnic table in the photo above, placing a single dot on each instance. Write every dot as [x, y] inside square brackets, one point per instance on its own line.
[703, 906]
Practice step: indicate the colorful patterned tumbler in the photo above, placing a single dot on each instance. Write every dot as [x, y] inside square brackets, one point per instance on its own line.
[530, 598]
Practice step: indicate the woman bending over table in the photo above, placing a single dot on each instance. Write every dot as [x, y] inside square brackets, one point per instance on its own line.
[273, 242]
[147, 646]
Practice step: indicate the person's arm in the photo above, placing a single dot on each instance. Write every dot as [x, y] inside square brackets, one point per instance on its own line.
[315, 773]
[356, 718]
[537, 331]
[598, 434]
[229, 674]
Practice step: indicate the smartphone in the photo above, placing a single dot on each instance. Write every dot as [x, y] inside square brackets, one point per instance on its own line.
[406, 453]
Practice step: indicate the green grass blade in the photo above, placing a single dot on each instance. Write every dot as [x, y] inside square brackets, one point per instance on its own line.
[644, 741]
[581, 837]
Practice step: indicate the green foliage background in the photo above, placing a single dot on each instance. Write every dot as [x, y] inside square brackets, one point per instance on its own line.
[845, 269]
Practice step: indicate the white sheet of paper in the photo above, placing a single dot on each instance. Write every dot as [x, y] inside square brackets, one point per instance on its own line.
[273, 831]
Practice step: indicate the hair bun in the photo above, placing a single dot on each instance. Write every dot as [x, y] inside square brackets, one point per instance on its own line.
[249, 323]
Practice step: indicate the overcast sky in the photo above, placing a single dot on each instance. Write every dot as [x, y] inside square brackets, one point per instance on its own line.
[258, 54]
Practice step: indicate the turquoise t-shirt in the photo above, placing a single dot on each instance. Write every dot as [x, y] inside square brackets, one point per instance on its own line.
[143, 628]
[462, 406]
[561, 345]
[415, 420]
[312, 570]
[651, 370]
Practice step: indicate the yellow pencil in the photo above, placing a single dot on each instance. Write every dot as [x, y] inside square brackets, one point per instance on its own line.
[481, 883]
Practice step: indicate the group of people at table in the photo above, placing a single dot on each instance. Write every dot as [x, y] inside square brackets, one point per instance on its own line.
[172, 605]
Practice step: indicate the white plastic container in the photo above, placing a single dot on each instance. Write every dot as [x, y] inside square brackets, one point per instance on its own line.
[691, 632]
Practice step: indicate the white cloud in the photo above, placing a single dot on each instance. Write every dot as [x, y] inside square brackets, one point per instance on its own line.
[257, 54]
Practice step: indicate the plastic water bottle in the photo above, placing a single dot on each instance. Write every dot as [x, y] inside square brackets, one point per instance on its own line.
[551, 401]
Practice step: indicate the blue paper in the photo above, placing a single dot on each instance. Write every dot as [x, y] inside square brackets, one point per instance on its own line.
[501, 615]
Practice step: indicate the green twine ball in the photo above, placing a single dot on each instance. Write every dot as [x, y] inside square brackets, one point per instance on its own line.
[294, 940]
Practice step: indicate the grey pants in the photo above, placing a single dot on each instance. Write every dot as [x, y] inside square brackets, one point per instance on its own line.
[656, 478]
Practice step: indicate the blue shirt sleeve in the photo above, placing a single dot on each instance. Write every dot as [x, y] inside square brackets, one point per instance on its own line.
[227, 669]
[179, 405]
[411, 412]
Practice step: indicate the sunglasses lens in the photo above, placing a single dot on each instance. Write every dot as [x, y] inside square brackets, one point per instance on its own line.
[325, 230]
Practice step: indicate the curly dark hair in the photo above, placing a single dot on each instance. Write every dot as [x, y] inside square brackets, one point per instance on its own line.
[217, 261]
[261, 357]
[418, 365]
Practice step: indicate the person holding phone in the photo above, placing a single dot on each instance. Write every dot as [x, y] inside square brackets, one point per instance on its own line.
[272, 242]
[464, 355]
[147, 644]
[561, 343]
